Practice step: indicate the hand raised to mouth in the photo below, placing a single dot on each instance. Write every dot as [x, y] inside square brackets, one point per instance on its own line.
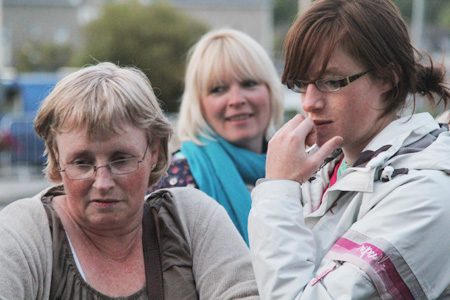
[287, 157]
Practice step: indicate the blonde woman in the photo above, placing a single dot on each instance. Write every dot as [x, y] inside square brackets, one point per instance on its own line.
[231, 106]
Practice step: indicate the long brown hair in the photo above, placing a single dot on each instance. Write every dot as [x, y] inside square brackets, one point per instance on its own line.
[374, 33]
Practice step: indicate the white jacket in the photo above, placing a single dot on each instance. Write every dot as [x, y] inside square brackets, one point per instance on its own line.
[380, 232]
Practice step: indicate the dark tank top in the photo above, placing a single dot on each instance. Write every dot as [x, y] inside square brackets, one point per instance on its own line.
[179, 284]
[67, 282]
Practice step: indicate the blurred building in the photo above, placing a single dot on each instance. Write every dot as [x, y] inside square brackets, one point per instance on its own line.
[44, 20]
[254, 17]
[59, 21]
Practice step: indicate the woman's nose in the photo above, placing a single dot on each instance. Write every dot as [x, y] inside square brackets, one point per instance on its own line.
[236, 96]
[103, 179]
[312, 99]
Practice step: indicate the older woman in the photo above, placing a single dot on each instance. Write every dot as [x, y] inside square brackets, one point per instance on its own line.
[231, 106]
[95, 235]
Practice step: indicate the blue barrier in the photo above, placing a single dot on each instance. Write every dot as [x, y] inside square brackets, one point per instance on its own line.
[28, 148]
[32, 88]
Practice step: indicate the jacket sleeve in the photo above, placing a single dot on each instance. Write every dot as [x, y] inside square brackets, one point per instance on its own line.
[387, 253]
[221, 260]
[282, 248]
[25, 251]
[283, 251]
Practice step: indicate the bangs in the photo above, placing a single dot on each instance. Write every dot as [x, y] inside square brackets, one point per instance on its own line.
[101, 108]
[223, 62]
[305, 43]
[105, 119]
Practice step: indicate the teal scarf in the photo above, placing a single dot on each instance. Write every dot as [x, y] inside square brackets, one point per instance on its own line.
[221, 171]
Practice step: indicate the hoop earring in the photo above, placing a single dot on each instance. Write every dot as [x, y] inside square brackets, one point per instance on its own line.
[153, 167]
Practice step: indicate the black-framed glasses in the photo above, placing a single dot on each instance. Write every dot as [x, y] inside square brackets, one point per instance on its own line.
[116, 167]
[326, 85]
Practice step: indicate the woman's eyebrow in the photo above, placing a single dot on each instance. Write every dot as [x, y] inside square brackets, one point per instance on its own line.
[80, 153]
[331, 71]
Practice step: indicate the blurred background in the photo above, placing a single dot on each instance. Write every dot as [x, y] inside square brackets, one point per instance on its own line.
[41, 41]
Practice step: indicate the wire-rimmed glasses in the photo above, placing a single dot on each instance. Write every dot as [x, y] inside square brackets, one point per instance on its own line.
[116, 167]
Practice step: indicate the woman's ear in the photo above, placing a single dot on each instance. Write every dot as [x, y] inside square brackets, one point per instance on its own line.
[154, 152]
[387, 83]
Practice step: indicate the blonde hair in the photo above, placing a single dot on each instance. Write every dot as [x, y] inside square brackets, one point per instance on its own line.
[103, 98]
[234, 54]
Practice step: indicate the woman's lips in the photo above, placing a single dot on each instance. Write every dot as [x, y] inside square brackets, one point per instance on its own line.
[240, 117]
[104, 203]
[321, 122]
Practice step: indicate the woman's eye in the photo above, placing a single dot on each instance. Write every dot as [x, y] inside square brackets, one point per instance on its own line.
[302, 84]
[120, 158]
[120, 162]
[249, 83]
[333, 83]
[79, 162]
[217, 90]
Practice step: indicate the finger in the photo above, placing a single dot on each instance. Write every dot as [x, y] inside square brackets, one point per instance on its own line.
[292, 123]
[326, 149]
[304, 129]
[311, 137]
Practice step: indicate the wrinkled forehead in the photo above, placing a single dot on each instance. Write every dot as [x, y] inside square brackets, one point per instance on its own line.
[79, 139]
[93, 128]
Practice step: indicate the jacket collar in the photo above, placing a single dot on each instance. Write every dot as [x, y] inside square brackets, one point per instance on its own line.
[380, 151]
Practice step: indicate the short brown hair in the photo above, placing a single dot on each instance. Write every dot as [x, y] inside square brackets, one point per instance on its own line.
[374, 33]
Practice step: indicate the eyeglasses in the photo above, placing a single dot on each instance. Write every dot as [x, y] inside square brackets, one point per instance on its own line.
[117, 167]
[326, 85]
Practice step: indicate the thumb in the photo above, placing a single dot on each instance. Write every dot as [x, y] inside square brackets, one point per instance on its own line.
[326, 149]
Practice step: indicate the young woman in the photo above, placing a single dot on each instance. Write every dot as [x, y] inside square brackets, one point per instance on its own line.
[368, 220]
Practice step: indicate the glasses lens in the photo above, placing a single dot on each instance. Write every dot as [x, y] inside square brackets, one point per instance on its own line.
[124, 166]
[79, 171]
[329, 84]
[302, 86]
[297, 86]
[290, 84]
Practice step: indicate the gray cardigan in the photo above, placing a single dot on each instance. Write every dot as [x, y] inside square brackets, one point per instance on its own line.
[189, 220]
